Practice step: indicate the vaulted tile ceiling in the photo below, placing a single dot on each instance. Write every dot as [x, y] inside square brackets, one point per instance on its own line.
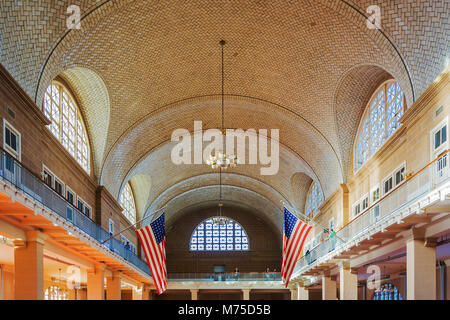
[141, 69]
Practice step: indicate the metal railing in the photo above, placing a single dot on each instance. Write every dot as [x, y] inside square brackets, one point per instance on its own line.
[22, 178]
[226, 276]
[422, 182]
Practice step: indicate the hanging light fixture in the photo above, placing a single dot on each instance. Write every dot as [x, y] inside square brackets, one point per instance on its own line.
[222, 160]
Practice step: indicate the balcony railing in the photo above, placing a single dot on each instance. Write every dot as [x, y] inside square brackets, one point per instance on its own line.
[241, 276]
[425, 180]
[22, 178]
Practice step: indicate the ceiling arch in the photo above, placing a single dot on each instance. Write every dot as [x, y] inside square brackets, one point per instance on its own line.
[208, 196]
[351, 98]
[305, 67]
[300, 145]
[92, 94]
[300, 184]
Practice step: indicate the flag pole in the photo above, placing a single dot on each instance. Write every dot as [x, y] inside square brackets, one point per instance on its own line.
[131, 225]
[301, 215]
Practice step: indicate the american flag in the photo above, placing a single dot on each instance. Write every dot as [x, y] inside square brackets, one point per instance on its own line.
[153, 241]
[294, 235]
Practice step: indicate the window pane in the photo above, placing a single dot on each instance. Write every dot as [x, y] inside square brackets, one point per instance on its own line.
[379, 122]
[215, 237]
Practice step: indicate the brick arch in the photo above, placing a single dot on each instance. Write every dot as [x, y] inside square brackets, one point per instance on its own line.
[351, 98]
[197, 198]
[297, 137]
[300, 184]
[93, 97]
[141, 186]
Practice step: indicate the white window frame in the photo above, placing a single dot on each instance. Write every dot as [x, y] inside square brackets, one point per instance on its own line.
[16, 154]
[68, 189]
[392, 175]
[55, 178]
[63, 186]
[372, 200]
[84, 206]
[402, 166]
[357, 203]
[363, 198]
[434, 152]
[111, 223]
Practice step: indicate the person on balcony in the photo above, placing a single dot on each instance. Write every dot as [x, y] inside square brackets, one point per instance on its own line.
[274, 274]
[267, 274]
[308, 257]
[236, 273]
[332, 238]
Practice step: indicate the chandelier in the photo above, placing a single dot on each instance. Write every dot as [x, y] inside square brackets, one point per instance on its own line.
[57, 290]
[222, 160]
[220, 220]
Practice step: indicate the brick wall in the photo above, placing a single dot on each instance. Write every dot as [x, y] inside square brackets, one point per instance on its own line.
[265, 245]
[40, 148]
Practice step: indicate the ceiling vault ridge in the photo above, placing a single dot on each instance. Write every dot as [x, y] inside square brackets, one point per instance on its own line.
[226, 174]
[174, 104]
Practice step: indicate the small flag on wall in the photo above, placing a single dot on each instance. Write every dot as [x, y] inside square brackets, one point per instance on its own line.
[153, 241]
[295, 232]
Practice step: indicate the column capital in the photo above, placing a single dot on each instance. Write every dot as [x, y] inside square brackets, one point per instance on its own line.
[430, 242]
[98, 267]
[194, 290]
[414, 234]
[36, 236]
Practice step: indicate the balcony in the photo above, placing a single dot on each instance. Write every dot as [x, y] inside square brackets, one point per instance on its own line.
[24, 180]
[401, 208]
[219, 277]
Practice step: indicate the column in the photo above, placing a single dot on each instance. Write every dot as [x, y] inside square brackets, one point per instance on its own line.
[113, 286]
[294, 294]
[245, 294]
[302, 292]
[29, 267]
[96, 283]
[136, 293]
[421, 269]
[194, 294]
[2, 280]
[81, 294]
[146, 292]
[328, 287]
[348, 283]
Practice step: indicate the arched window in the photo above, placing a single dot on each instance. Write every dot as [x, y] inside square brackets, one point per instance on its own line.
[313, 200]
[379, 122]
[66, 123]
[387, 291]
[127, 203]
[209, 236]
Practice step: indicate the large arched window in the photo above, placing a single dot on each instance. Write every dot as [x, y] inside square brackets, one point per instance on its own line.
[209, 236]
[66, 123]
[313, 200]
[379, 122]
[387, 291]
[127, 203]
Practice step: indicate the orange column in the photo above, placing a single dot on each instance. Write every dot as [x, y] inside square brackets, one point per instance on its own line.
[96, 283]
[421, 269]
[29, 267]
[328, 287]
[113, 286]
[146, 292]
